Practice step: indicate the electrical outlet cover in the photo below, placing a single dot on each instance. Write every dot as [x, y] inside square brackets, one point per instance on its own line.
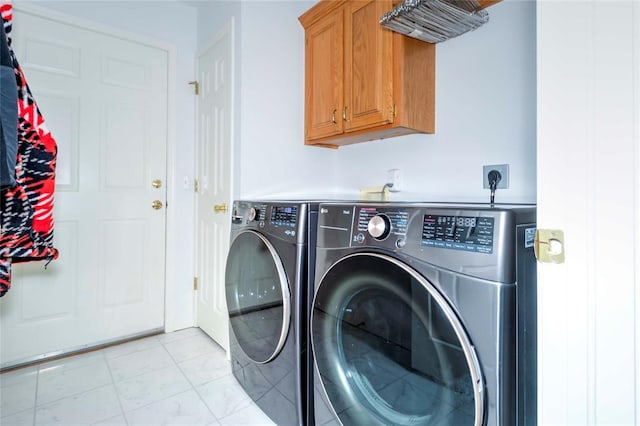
[504, 172]
[393, 176]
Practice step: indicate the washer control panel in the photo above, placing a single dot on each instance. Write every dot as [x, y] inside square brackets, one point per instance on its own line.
[381, 224]
[468, 233]
[474, 239]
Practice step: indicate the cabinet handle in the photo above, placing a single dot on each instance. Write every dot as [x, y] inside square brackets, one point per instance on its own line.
[344, 113]
[333, 117]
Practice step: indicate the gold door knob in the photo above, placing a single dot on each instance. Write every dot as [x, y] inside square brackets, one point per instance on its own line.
[156, 204]
[220, 208]
[156, 183]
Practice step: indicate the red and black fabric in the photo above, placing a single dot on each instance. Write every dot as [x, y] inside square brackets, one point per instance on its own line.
[26, 216]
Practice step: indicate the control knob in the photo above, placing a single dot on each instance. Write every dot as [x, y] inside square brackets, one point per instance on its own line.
[253, 214]
[379, 226]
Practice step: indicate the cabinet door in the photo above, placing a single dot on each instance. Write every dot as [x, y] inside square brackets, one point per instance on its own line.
[324, 77]
[368, 65]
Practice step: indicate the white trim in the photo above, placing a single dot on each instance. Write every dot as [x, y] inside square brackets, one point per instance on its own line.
[636, 202]
[171, 225]
[171, 322]
[90, 25]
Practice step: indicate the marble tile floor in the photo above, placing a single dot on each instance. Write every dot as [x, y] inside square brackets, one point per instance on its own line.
[181, 378]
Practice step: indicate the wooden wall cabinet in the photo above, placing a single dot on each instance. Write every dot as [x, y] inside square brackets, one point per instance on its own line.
[363, 81]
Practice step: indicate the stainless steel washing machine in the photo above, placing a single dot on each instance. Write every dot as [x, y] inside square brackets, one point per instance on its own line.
[268, 273]
[424, 315]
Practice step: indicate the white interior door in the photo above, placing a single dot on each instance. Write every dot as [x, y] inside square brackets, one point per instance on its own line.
[104, 99]
[589, 187]
[214, 159]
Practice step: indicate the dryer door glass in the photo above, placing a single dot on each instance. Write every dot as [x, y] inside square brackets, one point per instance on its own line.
[258, 297]
[390, 350]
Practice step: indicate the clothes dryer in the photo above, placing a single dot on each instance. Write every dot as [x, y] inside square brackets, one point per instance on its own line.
[424, 315]
[268, 273]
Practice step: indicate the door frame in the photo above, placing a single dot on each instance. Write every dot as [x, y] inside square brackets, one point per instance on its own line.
[172, 318]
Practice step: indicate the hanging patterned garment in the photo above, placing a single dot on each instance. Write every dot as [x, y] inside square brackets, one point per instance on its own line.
[26, 209]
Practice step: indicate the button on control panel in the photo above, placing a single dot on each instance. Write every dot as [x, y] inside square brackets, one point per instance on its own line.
[380, 224]
[245, 213]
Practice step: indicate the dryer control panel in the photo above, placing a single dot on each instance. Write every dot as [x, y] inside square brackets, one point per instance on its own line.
[286, 216]
[281, 219]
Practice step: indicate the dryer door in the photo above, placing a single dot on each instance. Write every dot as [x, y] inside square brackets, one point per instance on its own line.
[258, 296]
[390, 350]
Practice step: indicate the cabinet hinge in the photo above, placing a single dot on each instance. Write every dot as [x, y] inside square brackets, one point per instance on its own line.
[196, 86]
[195, 283]
[394, 112]
[196, 187]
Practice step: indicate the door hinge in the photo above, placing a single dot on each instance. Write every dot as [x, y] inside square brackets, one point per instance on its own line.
[196, 187]
[394, 112]
[196, 86]
[195, 283]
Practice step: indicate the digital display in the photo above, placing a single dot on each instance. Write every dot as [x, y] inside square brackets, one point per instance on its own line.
[466, 233]
[284, 215]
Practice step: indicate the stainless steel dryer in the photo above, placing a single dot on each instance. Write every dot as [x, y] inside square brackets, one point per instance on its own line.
[424, 315]
[266, 280]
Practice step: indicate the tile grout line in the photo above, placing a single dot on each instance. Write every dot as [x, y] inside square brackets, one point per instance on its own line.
[124, 412]
[35, 399]
[190, 383]
[198, 393]
[115, 389]
[162, 399]
[74, 394]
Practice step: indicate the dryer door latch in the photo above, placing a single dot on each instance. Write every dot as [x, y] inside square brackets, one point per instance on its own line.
[549, 246]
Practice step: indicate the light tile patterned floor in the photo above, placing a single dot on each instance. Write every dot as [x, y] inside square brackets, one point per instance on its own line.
[181, 378]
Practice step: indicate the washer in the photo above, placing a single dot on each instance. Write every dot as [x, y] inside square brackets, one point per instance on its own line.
[424, 314]
[268, 273]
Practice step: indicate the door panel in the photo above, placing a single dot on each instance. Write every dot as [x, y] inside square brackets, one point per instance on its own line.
[104, 98]
[258, 297]
[213, 162]
[324, 77]
[369, 74]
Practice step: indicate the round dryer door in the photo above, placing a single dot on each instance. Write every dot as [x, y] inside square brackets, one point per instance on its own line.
[390, 350]
[258, 297]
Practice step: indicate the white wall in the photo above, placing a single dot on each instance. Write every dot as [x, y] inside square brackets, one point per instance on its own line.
[173, 23]
[274, 159]
[485, 114]
[271, 159]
